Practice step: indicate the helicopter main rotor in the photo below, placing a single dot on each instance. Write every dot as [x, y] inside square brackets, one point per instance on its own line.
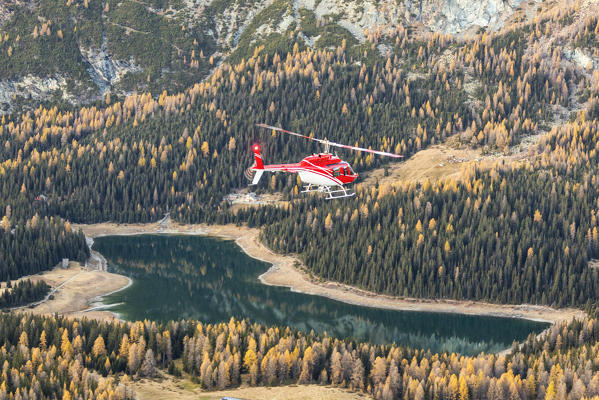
[328, 143]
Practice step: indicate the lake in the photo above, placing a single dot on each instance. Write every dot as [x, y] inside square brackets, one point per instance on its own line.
[211, 279]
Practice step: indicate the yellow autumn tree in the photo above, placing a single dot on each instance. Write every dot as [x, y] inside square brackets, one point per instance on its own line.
[538, 217]
[463, 389]
[328, 222]
[5, 224]
[454, 387]
[550, 393]
[432, 224]
[419, 226]
[250, 358]
[99, 349]
[205, 148]
[65, 345]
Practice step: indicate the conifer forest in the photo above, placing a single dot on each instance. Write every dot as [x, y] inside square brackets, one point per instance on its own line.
[127, 111]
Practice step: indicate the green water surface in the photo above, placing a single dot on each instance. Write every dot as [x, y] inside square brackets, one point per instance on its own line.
[209, 279]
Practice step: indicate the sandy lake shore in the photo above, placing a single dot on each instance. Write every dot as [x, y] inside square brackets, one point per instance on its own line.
[76, 289]
[287, 271]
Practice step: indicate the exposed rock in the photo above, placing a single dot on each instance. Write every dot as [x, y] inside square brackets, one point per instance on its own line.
[5, 13]
[447, 16]
[30, 86]
[104, 70]
[580, 58]
[234, 20]
[359, 16]
[455, 16]
[101, 68]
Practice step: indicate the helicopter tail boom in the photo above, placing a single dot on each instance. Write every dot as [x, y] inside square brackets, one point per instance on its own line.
[254, 173]
[258, 163]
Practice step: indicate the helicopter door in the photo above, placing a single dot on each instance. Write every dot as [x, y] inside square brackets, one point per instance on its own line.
[336, 172]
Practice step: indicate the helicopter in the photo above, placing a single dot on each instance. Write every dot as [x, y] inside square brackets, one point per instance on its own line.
[321, 172]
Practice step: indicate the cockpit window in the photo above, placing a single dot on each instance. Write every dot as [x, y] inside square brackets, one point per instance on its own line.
[341, 168]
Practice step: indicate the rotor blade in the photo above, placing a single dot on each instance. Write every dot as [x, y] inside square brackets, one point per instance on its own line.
[274, 128]
[380, 153]
[343, 146]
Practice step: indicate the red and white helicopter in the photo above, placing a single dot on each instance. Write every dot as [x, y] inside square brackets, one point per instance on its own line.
[322, 172]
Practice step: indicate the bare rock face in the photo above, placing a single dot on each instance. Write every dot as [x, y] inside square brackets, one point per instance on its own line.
[455, 16]
[230, 22]
[104, 70]
[28, 86]
[446, 16]
[581, 58]
[5, 11]
[360, 16]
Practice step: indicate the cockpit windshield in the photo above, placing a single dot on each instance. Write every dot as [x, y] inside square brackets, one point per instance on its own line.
[341, 168]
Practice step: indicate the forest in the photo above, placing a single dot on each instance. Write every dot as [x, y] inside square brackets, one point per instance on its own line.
[135, 158]
[520, 231]
[29, 246]
[56, 357]
[22, 293]
[507, 236]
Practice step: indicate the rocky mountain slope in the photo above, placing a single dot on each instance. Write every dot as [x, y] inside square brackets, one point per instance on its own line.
[78, 51]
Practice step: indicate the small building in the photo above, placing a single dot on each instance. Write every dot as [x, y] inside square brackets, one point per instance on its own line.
[65, 263]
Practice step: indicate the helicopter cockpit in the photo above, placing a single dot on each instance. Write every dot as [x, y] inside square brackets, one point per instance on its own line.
[342, 169]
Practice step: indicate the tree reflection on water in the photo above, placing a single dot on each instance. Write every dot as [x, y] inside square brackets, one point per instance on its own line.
[211, 280]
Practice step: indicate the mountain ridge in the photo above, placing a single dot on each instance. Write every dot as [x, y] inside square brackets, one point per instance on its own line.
[105, 43]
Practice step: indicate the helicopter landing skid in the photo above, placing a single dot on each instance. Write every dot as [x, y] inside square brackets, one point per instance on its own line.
[331, 194]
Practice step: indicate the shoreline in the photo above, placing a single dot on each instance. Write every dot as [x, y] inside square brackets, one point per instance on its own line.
[283, 272]
[77, 291]
[95, 303]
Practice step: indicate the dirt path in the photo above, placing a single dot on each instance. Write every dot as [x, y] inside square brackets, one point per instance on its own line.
[286, 271]
[47, 297]
[74, 290]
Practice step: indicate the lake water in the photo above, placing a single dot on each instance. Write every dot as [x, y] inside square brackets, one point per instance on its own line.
[210, 279]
